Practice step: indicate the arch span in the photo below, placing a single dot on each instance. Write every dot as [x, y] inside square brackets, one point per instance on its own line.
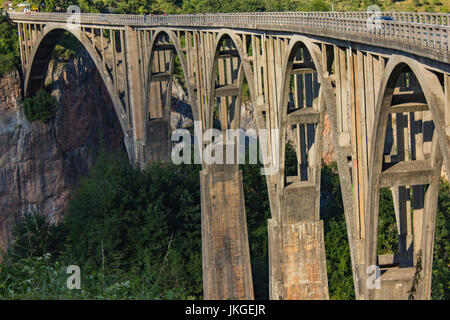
[425, 198]
[296, 219]
[244, 70]
[40, 58]
[179, 52]
[165, 48]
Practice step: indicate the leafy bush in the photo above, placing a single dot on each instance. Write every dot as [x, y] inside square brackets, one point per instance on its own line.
[124, 219]
[40, 107]
[137, 235]
[9, 47]
[440, 285]
[34, 237]
[42, 278]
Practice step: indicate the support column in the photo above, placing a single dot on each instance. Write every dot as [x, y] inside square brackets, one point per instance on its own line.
[226, 255]
[297, 263]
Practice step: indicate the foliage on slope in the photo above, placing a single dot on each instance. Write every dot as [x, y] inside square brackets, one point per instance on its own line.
[137, 235]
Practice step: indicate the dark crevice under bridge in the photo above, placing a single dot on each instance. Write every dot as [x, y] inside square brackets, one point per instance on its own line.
[384, 85]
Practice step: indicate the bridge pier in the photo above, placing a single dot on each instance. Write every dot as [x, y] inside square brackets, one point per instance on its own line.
[297, 261]
[226, 256]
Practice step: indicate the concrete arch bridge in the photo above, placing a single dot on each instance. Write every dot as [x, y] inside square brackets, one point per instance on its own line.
[385, 85]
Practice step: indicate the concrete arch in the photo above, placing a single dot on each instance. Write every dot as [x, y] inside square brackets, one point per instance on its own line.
[40, 58]
[183, 62]
[329, 99]
[248, 72]
[295, 43]
[434, 95]
[435, 98]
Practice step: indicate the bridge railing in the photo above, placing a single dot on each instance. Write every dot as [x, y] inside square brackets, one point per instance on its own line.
[424, 29]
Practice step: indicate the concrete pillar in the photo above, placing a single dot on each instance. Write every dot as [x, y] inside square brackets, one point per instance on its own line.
[226, 255]
[297, 263]
[135, 91]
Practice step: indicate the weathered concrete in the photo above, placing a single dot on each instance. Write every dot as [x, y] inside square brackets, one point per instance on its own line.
[301, 255]
[385, 90]
[226, 258]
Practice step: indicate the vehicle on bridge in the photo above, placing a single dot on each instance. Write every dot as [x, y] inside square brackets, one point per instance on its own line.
[385, 18]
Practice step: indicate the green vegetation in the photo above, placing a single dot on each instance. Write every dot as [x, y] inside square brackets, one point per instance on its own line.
[339, 269]
[441, 272]
[68, 46]
[9, 47]
[40, 107]
[137, 235]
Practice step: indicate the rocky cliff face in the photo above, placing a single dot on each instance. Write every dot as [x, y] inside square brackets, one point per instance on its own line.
[41, 164]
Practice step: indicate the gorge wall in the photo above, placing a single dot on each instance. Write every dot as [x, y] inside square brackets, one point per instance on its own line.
[41, 163]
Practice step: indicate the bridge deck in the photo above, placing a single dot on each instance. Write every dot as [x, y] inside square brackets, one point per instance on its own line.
[422, 34]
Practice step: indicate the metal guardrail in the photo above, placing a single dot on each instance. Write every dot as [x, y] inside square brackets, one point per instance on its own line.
[429, 30]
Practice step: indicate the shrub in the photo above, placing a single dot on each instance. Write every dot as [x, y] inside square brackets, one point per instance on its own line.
[34, 236]
[41, 106]
[9, 55]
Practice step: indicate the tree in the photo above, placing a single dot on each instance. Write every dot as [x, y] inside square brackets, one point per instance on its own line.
[40, 107]
[9, 46]
[34, 236]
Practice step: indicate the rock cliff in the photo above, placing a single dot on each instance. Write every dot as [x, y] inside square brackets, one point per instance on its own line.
[41, 163]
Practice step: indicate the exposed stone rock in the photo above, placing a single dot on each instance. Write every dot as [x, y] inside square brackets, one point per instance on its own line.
[181, 114]
[328, 146]
[42, 163]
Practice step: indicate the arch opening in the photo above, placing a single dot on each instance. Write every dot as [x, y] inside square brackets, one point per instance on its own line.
[408, 140]
[167, 76]
[303, 116]
[231, 98]
[110, 66]
[406, 172]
